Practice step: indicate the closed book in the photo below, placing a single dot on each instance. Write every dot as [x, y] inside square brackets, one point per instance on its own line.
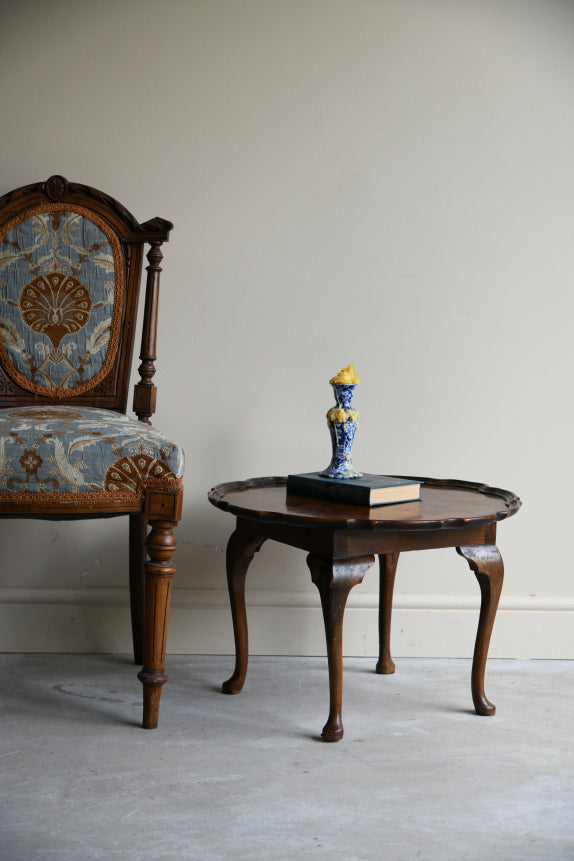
[368, 490]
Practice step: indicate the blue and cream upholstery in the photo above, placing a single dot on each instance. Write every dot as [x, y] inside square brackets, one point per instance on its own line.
[62, 297]
[82, 454]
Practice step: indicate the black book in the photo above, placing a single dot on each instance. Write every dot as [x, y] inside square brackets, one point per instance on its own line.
[368, 490]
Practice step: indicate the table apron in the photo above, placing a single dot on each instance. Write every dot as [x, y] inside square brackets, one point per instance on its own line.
[349, 543]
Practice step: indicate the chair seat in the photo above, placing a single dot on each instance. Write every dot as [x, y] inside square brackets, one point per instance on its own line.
[75, 453]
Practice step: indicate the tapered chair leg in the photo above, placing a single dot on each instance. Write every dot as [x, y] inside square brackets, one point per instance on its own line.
[160, 545]
[486, 562]
[138, 531]
[334, 580]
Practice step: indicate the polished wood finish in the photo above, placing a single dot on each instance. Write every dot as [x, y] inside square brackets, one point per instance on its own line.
[334, 579]
[387, 570]
[138, 535]
[444, 504]
[159, 508]
[145, 392]
[240, 551]
[342, 542]
[159, 571]
[486, 562]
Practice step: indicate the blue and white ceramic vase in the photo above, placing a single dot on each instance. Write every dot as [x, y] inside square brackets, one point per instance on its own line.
[343, 422]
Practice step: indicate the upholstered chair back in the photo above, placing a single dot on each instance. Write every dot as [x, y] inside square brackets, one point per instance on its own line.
[63, 299]
[70, 267]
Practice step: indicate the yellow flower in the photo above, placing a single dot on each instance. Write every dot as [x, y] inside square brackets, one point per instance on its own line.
[346, 377]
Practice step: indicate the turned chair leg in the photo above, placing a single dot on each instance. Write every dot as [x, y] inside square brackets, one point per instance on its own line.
[486, 562]
[387, 571]
[334, 580]
[160, 545]
[138, 530]
[240, 551]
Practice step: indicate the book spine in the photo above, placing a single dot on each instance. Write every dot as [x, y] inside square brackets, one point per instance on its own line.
[336, 493]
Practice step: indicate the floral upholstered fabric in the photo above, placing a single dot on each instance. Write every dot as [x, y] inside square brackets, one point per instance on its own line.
[61, 299]
[63, 450]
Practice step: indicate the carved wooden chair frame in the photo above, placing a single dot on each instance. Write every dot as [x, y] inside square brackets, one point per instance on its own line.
[159, 506]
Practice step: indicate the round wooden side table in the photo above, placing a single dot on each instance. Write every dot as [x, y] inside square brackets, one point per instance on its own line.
[342, 541]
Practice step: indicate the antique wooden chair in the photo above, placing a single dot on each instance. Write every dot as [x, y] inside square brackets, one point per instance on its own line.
[70, 269]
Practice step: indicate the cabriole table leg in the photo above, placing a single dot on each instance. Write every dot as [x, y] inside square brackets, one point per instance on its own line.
[387, 571]
[240, 551]
[334, 580]
[486, 562]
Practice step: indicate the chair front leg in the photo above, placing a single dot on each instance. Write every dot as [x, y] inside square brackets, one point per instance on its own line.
[160, 546]
[138, 531]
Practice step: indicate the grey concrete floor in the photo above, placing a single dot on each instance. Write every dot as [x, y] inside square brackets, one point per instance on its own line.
[417, 776]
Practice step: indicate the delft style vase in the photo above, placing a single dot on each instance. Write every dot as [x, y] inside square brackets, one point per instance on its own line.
[343, 422]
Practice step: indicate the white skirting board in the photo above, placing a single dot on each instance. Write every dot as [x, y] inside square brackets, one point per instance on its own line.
[283, 623]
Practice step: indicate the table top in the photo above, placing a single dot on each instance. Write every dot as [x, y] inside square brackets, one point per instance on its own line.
[444, 503]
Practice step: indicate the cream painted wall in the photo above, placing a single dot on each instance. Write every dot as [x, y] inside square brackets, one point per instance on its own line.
[388, 183]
